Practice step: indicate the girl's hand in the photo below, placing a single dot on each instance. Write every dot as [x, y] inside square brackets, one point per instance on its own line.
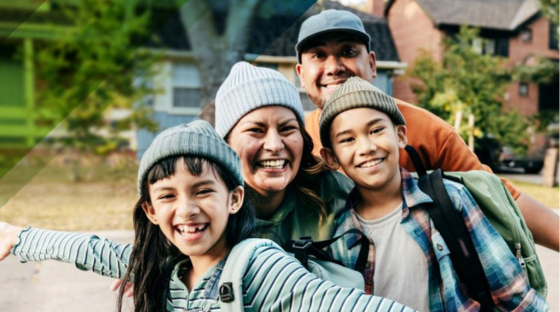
[8, 238]
[128, 289]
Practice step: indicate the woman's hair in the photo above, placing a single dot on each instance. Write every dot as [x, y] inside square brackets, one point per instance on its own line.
[307, 179]
[153, 256]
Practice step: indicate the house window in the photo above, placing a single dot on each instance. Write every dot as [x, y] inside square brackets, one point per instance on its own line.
[523, 89]
[484, 46]
[502, 47]
[186, 86]
[267, 65]
[553, 36]
[526, 35]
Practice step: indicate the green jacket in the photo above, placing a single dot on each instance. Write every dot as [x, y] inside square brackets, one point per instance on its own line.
[293, 219]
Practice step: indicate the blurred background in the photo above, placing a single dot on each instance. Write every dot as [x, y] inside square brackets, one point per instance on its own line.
[85, 85]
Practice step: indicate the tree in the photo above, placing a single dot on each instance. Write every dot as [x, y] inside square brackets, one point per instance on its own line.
[218, 32]
[472, 83]
[94, 66]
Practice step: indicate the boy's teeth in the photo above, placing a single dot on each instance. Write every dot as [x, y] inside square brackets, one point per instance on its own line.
[371, 163]
[272, 164]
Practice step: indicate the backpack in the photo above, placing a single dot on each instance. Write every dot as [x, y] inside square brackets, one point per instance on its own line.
[500, 209]
[320, 264]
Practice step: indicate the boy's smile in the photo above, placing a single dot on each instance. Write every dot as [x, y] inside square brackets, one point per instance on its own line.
[366, 145]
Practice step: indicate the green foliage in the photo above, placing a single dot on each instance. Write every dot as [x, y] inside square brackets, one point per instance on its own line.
[550, 9]
[93, 67]
[472, 83]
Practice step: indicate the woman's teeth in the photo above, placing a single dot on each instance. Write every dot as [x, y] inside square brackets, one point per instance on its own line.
[272, 164]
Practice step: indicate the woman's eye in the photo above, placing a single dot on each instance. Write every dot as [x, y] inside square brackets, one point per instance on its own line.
[289, 128]
[255, 130]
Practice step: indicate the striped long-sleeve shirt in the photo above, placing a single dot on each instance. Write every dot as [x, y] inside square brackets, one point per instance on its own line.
[273, 280]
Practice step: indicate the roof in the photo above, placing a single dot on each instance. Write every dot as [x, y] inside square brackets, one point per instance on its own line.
[277, 34]
[494, 14]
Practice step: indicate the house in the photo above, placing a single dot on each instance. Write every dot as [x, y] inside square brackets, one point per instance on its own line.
[180, 82]
[514, 29]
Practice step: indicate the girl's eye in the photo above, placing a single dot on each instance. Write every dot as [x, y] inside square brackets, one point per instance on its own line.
[165, 196]
[204, 191]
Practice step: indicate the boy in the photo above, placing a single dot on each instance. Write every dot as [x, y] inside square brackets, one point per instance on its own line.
[362, 130]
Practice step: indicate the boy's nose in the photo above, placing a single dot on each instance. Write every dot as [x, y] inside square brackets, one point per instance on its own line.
[366, 146]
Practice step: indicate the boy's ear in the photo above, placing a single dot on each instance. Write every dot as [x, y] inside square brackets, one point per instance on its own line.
[150, 212]
[236, 199]
[330, 159]
[401, 133]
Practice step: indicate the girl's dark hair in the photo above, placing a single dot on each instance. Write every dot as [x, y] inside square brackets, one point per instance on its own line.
[153, 256]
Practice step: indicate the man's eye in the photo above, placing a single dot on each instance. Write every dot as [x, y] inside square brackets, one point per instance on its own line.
[349, 52]
[318, 55]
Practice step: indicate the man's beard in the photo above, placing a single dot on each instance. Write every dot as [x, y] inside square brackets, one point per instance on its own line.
[317, 100]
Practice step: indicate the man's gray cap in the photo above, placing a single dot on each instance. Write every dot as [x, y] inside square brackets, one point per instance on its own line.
[331, 21]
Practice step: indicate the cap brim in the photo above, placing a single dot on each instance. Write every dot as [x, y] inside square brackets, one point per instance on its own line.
[360, 35]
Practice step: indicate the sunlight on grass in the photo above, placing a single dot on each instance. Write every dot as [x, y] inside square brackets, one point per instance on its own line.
[548, 196]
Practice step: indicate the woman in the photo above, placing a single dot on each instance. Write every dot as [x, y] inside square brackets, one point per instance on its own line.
[259, 114]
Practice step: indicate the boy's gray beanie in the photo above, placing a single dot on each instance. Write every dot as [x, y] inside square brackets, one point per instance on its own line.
[247, 88]
[356, 93]
[196, 138]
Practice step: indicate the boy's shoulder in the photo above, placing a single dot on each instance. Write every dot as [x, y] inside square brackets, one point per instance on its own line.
[333, 182]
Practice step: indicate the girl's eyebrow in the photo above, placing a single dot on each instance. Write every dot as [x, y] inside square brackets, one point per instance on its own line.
[204, 182]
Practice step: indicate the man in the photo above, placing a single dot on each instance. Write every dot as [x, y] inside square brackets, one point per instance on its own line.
[333, 46]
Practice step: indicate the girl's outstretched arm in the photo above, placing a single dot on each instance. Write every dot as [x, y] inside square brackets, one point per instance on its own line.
[8, 238]
[88, 252]
[275, 281]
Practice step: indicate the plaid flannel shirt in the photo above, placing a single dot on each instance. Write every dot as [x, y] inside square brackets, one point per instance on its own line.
[508, 284]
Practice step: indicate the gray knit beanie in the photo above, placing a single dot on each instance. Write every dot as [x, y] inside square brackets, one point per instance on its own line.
[356, 93]
[196, 138]
[247, 88]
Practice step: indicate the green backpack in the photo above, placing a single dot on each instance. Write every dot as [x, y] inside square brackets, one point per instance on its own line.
[500, 209]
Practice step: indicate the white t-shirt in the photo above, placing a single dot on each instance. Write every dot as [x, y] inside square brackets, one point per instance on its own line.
[401, 272]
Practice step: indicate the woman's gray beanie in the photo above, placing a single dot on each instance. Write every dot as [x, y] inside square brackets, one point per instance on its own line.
[247, 88]
[196, 138]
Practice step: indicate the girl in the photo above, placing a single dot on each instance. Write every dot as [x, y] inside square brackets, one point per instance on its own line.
[191, 212]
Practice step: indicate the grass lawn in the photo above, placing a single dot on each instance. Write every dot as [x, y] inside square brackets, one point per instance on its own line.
[106, 200]
[548, 196]
[50, 200]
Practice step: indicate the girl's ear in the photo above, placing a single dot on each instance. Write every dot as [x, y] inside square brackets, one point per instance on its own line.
[150, 212]
[401, 133]
[330, 159]
[236, 199]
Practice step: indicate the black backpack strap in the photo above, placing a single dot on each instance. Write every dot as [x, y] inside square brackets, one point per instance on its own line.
[452, 228]
[416, 160]
[305, 246]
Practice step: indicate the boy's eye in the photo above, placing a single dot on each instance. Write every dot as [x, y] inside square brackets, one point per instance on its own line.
[346, 140]
[377, 130]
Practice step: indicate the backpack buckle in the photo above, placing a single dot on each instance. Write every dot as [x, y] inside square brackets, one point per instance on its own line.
[226, 292]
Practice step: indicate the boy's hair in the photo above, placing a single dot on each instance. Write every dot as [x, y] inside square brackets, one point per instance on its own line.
[153, 256]
[356, 93]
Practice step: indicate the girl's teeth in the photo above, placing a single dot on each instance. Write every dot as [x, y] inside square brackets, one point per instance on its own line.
[184, 229]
